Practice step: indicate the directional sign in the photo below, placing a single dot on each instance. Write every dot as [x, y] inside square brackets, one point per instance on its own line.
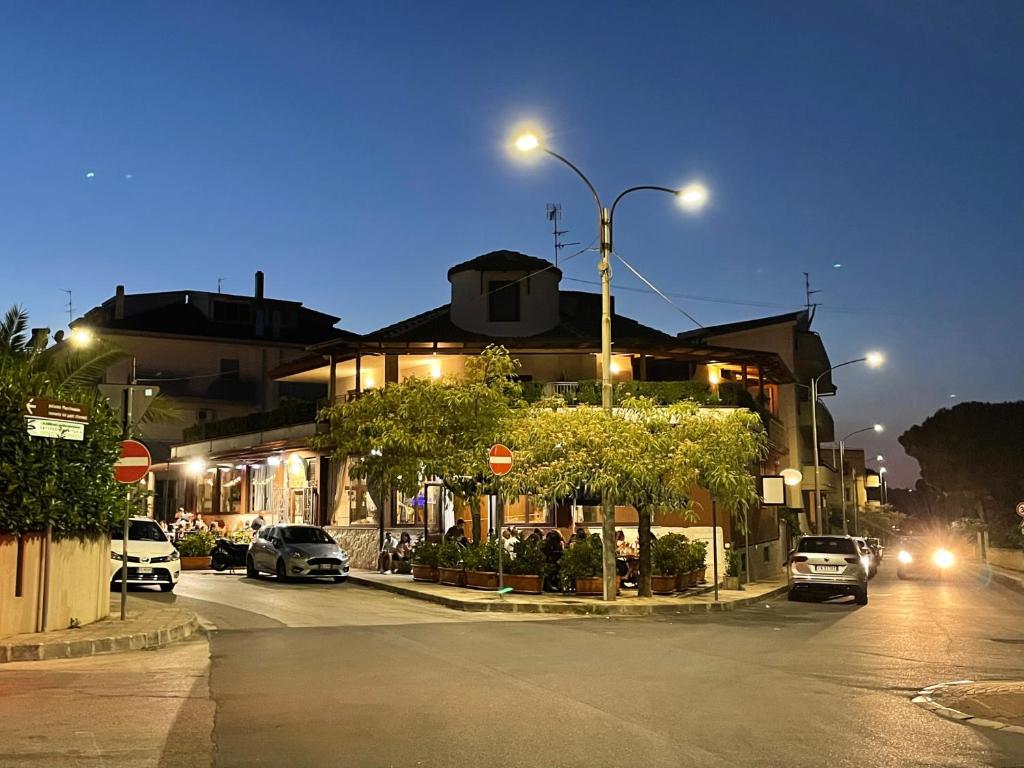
[499, 457]
[54, 428]
[134, 462]
[42, 408]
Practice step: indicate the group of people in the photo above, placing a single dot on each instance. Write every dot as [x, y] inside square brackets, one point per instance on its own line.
[189, 522]
[395, 556]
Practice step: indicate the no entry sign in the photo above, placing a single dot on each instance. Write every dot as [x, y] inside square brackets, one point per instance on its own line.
[134, 462]
[500, 459]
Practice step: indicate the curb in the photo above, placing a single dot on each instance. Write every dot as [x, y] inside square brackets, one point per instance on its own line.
[73, 649]
[589, 609]
[924, 699]
[1010, 582]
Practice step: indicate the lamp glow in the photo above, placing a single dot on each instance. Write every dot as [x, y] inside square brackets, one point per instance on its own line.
[905, 557]
[527, 142]
[943, 558]
[273, 461]
[714, 378]
[792, 477]
[196, 466]
[435, 369]
[878, 428]
[81, 337]
[614, 367]
[874, 359]
[693, 197]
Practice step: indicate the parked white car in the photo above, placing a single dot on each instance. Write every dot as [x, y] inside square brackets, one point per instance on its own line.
[152, 558]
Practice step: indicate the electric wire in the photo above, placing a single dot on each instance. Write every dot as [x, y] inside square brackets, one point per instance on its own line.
[656, 290]
[570, 257]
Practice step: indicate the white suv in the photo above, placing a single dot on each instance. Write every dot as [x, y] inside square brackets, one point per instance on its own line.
[152, 558]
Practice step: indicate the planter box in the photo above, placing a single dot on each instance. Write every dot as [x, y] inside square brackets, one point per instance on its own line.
[455, 577]
[687, 579]
[593, 585]
[732, 582]
[424, 573]
[195, 563]
[524, 585]
[482, 579]
[663, 585]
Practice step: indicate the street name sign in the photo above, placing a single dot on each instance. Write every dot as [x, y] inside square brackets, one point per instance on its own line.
[134, 462]
[40, 407]
[499, 457]
[55, 428]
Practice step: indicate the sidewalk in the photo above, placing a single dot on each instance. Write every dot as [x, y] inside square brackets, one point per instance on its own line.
[990, 704]
[1010, 579]
[147, 625]
[464, 599]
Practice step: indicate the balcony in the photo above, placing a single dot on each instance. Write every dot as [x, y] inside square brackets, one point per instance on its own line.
[826, 425]
[828, 478]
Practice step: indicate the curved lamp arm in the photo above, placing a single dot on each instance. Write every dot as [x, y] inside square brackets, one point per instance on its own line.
[578, 172]
[637, 189]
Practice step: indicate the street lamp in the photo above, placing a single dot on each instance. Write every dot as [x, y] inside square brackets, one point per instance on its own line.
[691, 198]
[842, 475]
[873, 360]
[81, 337]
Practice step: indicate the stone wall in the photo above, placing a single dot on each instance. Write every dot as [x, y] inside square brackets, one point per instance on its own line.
[363, 543]
[1007, 558]
[79, 582]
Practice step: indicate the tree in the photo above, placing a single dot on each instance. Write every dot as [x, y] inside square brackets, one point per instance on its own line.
[972, 460]
[64, 484]
[642, 455]
[399, 435]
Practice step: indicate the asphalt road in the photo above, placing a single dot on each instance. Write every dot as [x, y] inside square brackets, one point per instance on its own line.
[339, 675]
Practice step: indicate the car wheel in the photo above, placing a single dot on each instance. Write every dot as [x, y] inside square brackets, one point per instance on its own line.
[282, 574]
[901, 574]
[250, 569]
[861, 596]
[167, 587]
[339, 579]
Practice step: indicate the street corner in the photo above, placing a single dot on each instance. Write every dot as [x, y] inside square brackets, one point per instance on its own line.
[994, 704]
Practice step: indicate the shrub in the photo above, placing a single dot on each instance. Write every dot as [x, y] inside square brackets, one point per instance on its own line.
[241, 536]
[669, 554]
[426, 553]
[733, 562]
[529, 559]
[196, 544]
[449, 555]
[697, 555]
[482, 557]
[581, 561]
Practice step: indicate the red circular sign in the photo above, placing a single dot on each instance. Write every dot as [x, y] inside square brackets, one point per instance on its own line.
[134, 462]
[500, 459]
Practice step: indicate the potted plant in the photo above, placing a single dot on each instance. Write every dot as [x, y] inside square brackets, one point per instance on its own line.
[424, 561]
[698, 562]
[481, 562]
[195, 548]
[581, 568]
[667, 557]
[525, 571]
[450, 569]
[732, 569]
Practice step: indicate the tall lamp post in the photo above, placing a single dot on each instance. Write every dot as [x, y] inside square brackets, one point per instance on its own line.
[842, 469]
[692, 198]
[873, 360]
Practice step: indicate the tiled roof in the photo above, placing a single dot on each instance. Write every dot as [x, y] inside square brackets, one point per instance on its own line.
[505, 261]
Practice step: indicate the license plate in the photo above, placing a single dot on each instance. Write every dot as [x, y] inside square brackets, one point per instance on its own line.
[145, 569]
[827, 568]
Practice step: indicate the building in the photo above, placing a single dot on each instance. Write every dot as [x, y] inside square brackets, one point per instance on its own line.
[210, 354]
[505, 298]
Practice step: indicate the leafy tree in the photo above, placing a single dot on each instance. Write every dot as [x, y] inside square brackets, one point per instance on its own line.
[396, 436]
[972, 461]
[44, 482]
[641, 455]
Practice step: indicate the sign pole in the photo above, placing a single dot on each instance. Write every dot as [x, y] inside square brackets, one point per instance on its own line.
[499, 519]
[714, 545]
[124, 551]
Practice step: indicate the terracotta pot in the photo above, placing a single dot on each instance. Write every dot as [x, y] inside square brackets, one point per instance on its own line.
[455, 577]
[663, 585]
[482, 579]
[198, 563]
[592, 585]
[524, 585]
[424, 573]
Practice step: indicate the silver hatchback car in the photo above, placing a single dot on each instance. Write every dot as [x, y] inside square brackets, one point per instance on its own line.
[832, 564]
[293, 550]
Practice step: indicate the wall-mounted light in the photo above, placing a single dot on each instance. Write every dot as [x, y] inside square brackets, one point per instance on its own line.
[195, 466]
[273, 461]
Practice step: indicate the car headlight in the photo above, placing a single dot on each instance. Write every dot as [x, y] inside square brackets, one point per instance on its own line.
[115, 555]
[905, 557]
[296, 554]
[943, 558]
[175, 555]
[866, 562]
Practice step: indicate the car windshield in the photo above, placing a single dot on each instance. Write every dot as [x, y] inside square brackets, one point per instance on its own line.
[827, 545]
[303, 535]
[140, 530]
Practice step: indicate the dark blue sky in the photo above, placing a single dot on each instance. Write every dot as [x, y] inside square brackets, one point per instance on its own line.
[354, 151]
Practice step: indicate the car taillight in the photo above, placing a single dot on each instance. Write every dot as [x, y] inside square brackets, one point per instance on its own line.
[852, 560]
[799, 559]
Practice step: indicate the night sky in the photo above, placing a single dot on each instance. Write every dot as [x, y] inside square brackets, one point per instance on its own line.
[355, 151]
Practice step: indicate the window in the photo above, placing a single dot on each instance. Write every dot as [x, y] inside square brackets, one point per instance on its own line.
[139, 530]
[526, 511]
[362, 506]
[503, 301]
[231, 312]
[231, 490]
[827, 545]
[260, 486]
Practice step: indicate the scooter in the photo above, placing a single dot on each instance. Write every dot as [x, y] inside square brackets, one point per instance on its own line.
[228, 554]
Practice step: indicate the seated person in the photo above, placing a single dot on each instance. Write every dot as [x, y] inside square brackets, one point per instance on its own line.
[387, 552]
[402, 553]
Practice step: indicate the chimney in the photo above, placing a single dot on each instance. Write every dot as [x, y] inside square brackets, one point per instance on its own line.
[40, 338]
[119, 303]
[259, 285]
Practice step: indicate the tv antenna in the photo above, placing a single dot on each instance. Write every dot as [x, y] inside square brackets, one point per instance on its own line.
[69, 306]
[811, 306]
[554, 211]
[220, 281]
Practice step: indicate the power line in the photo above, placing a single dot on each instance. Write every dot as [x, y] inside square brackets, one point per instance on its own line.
[542, 269]
[654, 288]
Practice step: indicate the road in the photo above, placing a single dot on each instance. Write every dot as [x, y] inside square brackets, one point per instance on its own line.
[339, 675]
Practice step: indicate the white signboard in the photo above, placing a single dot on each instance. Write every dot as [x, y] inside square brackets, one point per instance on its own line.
[61, 430]
[773, 490]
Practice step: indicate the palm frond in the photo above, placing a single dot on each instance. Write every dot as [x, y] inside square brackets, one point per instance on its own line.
[13, 328]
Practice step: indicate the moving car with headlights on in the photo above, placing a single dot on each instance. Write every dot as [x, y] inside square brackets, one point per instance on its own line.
[869, 553]
[294, 550]
[828, 564]
[924, 556]
[152, 558]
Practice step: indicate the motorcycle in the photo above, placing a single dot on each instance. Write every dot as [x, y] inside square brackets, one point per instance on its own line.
[228, 554]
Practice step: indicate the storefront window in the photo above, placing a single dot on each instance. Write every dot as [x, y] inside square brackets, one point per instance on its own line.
[261, 481]
[409, 510]
[231, 490]
[527, 511]
[363, 507]
[205, 488]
